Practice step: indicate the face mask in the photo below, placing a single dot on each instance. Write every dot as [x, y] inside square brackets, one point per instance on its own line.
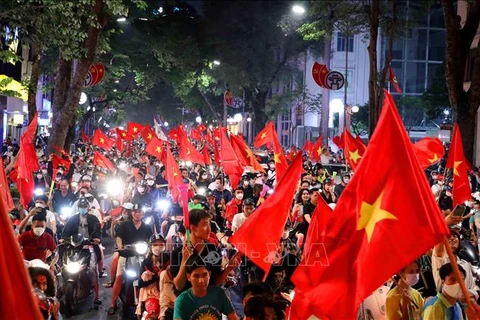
[411, 279]
[272, 167]
[57, 178]
[83, 211]
[125, 216]
[150, 182]
[141, 189]
[89, 173]
[453, 290]
[44, 171]
[39, 205]
[346, 180]
[157, 250]
[38, 231]
[204, 176]
[440, 183]
[239, 196]
[245, 183]
[448, 194]
[39, 176]
[434, 177]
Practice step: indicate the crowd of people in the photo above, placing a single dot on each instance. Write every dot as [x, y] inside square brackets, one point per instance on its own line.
[193, 273]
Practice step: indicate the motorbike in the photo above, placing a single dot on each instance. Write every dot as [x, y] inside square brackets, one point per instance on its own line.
[135, 255]
[79, 261]
[47, 305]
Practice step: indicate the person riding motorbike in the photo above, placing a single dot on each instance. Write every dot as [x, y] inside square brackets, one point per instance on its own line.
[89, 226]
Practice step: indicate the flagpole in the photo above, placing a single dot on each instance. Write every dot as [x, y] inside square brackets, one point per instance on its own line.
[456, 271]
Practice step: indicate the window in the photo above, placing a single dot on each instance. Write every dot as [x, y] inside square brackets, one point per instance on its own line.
[342, 43]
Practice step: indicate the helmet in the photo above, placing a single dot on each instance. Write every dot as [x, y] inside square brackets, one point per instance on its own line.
[154, 238]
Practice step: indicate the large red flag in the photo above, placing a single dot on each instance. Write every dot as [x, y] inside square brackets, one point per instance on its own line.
[264, 136]
[195, 134]
[230, 162]
[102, 161]
[281, 164]
[5, 195]
[27, 163]
[308, 147]
[386, 210]
[172, 173]
[339, 141]
[353, 149]
[460, 165]
[155, 148]
[187, 151]
[244, 154]
[17, 301]
[292, 154]
[317, 149]
[121, 134]
[429, 151]
[148, 134]
[268, 221]
[134, 129]
[101, 140]
[393, 79]
[206, 155]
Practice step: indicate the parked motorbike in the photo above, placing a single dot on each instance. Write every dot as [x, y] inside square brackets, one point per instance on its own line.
[79, 261]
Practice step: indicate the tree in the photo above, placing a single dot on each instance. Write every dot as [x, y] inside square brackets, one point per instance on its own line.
[460, 56]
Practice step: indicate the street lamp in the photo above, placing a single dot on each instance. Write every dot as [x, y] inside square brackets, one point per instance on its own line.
[83, 98]
[355, 109]
[198, 119]
[216, 62]
[297, 9]
[122, 19]
[165, 124]
[117, 81]
[249, 119]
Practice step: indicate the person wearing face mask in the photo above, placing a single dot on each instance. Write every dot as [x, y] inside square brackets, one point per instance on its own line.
[36, 243]
[271, 174]
[247, 187]
[141, 196]
[148, 282]
[39, 180]
[41, 203]
[342, 185]
[202, 181]
[89, 226]
[445, 304]
[445, 200]
[151, 188]
[234, 206]
[404, 302]
[437, 186]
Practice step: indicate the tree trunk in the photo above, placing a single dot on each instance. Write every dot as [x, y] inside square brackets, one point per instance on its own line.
[66, 105]
[259, 111]
[33, 86]
[373, 88]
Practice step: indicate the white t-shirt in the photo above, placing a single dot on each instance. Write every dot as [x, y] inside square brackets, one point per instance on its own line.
[324, 159]
[238, 220]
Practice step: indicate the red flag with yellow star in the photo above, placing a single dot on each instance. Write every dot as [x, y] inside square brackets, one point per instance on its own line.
[268, 221]
[386, 210]
[317, 149]
[292, 154]
[429, 151]
[393, 79]
[244, 154]
[308, 147]
[155, 148]
[121, 134]
[281, 164]
[230, 162]
[101, 140]
[354, 150]
[264, 136]
[134, 129]
[206, 155]
[460, 166]
[102, 161]
[172, 174]
[187, 151]
[27, 163]
[148, 134]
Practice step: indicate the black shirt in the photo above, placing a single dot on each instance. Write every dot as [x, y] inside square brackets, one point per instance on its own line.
[280, 275]
[129, 234]
[210, 255]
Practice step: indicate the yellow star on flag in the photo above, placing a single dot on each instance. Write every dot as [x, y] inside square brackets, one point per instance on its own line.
[434, 159]
[174, 173]
[354, 156]
[102, 140]
[319, 151]
[188, 151]
[371, 214]
[455, 166]
[263, 136]
[276, 158]
[149, 137]
[135, 129]
[157, 149]
[248, 153]
[124, 134]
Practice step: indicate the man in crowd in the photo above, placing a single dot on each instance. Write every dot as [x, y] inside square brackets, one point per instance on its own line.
[36, 243]
[240, 218]
[63, 197]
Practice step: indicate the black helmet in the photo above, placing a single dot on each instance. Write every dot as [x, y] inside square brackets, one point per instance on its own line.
[83, 203]
[154, 238]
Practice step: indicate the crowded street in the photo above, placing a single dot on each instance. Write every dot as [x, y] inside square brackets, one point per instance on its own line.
[226, 160]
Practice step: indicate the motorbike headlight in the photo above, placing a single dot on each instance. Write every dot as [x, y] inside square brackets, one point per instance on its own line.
[66, 212]
[73, 267]
[38, 192]
[201, 191]
[189, 163]
[115, 187]
[163, 204]
[131, 273]
[141, 247]
[122, 165]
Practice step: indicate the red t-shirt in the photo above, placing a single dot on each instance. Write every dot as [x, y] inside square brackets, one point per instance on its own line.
[34, 247]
